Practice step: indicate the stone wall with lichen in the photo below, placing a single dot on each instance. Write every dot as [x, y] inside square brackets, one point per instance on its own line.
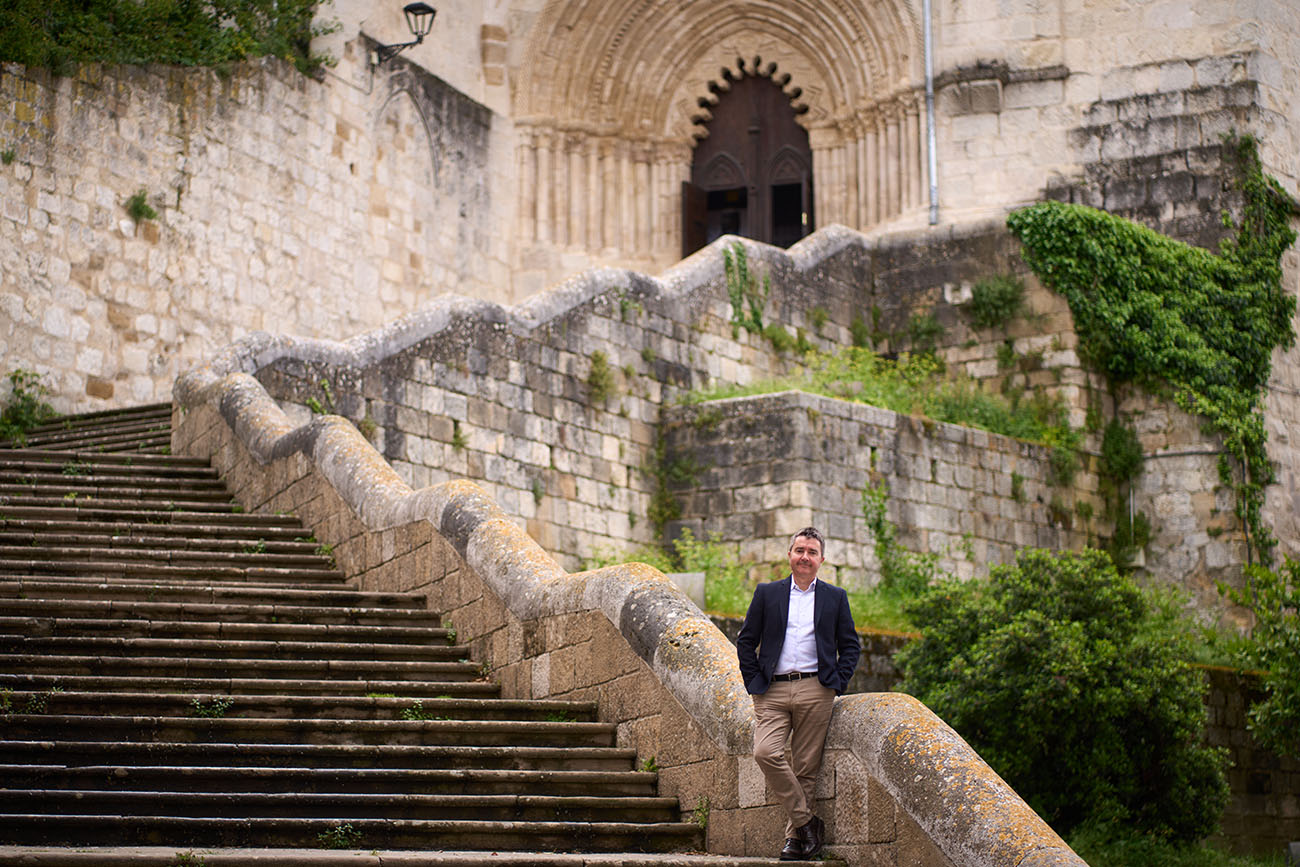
[280, 202]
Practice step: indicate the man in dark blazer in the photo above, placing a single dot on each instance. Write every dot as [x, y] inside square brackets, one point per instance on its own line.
[797, 651]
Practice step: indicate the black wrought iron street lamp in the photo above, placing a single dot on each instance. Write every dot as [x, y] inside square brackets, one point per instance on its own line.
[419, 17]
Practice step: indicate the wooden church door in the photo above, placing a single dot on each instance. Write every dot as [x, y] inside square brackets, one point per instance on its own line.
[752, 175]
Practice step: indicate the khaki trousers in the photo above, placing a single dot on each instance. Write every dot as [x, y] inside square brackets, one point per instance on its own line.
[799, 710]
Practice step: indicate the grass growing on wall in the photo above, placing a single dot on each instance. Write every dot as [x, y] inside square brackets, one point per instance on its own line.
[916, 385]
[58, 34]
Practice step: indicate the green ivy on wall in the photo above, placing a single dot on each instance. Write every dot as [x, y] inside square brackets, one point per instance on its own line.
[1179, 320]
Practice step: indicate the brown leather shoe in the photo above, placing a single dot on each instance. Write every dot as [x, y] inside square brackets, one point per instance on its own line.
[813, 836]
[793, 850]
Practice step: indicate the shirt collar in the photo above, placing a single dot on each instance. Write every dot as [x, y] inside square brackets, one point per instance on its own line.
[794, 588]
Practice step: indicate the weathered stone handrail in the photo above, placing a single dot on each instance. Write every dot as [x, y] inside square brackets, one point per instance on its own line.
[965, 811]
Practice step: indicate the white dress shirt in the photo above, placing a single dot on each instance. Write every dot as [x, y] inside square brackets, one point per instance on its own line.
[799, 651]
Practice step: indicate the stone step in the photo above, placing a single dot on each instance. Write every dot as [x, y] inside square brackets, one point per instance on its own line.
[178, 535]
[80, 464]
[147, 492]
[217, 629]
[243, 686]
[306, 562]
[26, 828]
[112, 539]
[167, 856]
[124, 440]
[100, 580]
[402, 757]
[84, 512]
[392, 805]
[432, 781]
[196, 586]
[228, 648]
[432, 705]
[90, 419]
[71, 428]
[475, 733]
[28, 473]
[121, 504]
[265, 669]
[53, 456]
[203, 611]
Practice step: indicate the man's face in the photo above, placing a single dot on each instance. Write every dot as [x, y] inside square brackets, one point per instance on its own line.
[805, 560]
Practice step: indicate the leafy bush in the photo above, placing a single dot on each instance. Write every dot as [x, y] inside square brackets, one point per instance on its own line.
[1073, 684]
[1274, 648]
[1112, 845]
[26, 407]
[995, 301]
[1121, 452]
[57, 34]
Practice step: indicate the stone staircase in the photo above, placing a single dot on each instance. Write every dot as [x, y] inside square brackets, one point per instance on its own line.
[175, 674]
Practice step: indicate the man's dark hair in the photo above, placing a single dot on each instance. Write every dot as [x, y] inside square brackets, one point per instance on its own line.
[810, 533]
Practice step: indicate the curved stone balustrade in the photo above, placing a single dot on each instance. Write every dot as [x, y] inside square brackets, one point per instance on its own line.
[964, 812]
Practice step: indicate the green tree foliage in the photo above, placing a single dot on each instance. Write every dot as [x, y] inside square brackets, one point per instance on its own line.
[1274, 648]
[1072, 683]
[57, 34]
[1178, 319]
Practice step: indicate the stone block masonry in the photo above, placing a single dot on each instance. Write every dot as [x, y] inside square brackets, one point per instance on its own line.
[505, 396]
[283, 202]
[768, 465]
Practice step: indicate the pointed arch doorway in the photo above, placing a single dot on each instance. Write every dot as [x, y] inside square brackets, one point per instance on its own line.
[752, 174]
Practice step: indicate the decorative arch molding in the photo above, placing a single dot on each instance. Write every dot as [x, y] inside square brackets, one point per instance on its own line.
[609, 95]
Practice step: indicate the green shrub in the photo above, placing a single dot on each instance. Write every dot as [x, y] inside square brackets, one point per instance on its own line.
[1274, 647]
[1073, 684]
[138, 207]
[1107, 844]
[924, 330]
[600, 379]
[1121, 453]
[995, 301]
[26, 407]
[57, 34]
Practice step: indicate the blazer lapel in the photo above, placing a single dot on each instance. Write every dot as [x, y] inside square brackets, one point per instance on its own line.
[820, 599]
[783, 601]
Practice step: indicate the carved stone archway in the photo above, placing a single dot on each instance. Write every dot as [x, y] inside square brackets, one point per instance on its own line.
[608, 94]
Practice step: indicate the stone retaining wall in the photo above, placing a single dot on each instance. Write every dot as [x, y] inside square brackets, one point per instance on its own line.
[771, 464]
[898, 785]
[283, 202]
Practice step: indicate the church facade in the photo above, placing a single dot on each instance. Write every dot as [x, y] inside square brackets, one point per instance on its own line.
[527, 140]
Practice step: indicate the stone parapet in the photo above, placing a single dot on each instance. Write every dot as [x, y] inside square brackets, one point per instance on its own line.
[902, 786]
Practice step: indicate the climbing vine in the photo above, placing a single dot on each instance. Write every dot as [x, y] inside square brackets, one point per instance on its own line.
[1180, 320]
